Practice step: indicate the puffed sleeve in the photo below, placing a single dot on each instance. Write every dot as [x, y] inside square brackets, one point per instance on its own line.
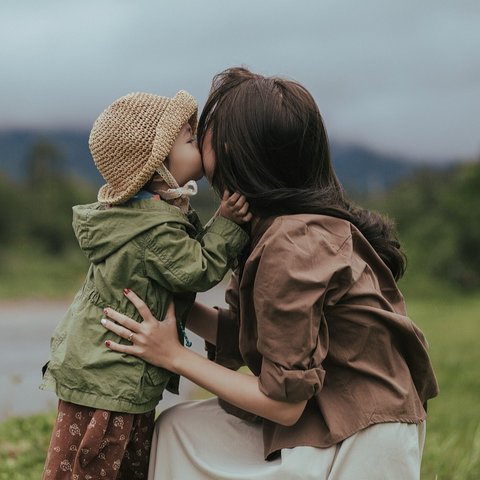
[180, 263]
[297, 270]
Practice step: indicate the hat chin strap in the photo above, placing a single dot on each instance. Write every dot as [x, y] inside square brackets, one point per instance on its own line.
[188, 190]
[178, 195]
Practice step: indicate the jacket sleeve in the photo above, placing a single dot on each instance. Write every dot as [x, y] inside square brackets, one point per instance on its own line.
[180, 263]
[289, 297]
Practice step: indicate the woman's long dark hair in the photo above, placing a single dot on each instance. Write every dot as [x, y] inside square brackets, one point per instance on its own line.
[271, 145]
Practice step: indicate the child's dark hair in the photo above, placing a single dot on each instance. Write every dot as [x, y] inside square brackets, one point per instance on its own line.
[271, 145]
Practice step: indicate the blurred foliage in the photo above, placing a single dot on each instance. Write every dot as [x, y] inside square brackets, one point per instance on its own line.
[450, 323]
[438, 219]
[39, 254]
[23, 445]
[44, 162]
[38, 211]
[437, 214]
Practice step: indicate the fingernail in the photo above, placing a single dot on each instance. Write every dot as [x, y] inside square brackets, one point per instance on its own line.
[103, 321]
[126, 291]
[107, 343]
[105, 311]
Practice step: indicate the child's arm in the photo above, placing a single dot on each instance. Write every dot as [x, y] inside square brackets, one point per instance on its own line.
[180, 263]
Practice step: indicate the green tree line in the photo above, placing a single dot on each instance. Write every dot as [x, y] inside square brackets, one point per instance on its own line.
[37, 211]
[437, 213]
[438, 219]
[39, 254]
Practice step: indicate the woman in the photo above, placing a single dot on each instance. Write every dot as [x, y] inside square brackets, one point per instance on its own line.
[341, 375]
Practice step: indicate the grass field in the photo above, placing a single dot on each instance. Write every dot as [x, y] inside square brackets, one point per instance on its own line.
[452, 326]
[26, 272]
[452, 452]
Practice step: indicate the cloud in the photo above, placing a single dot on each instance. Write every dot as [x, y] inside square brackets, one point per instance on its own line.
[402, 76]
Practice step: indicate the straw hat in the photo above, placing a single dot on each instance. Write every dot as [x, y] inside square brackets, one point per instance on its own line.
[132, 137]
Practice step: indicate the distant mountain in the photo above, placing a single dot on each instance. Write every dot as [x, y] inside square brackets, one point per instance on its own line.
[364, 170]
[73, 145]
[360, 169]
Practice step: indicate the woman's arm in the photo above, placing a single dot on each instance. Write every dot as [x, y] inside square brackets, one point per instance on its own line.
[203, 321]
[237, 388]
[157, 343]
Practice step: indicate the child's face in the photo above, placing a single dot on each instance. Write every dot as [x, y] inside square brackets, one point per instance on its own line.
[184, 160]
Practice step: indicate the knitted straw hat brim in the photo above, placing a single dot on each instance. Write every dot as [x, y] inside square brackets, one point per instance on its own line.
[179, 110]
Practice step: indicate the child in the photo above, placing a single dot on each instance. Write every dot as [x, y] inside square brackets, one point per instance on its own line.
[143, 234]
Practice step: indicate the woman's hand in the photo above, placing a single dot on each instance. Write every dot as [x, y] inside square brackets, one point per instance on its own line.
[153, 341]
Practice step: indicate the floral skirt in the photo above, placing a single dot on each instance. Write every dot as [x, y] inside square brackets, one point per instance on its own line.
[91, 444]
[200, 441]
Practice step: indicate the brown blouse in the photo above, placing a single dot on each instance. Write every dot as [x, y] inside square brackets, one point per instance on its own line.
[317, 315]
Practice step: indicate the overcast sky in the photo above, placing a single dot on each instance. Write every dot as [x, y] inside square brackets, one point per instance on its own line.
[399, 75]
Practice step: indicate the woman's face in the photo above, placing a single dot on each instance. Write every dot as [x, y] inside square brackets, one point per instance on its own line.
[208, 156]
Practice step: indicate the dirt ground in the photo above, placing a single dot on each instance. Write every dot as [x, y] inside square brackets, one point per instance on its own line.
[25, 330]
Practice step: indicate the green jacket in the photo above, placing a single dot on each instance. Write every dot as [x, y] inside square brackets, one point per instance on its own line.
[152, 248]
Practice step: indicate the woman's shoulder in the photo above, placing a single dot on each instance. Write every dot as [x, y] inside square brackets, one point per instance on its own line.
[300, 250]
[306, 230]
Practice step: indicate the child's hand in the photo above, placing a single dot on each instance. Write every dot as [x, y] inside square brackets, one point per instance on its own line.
[234, 207]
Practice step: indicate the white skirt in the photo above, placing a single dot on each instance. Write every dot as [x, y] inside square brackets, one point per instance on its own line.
[200, 441]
